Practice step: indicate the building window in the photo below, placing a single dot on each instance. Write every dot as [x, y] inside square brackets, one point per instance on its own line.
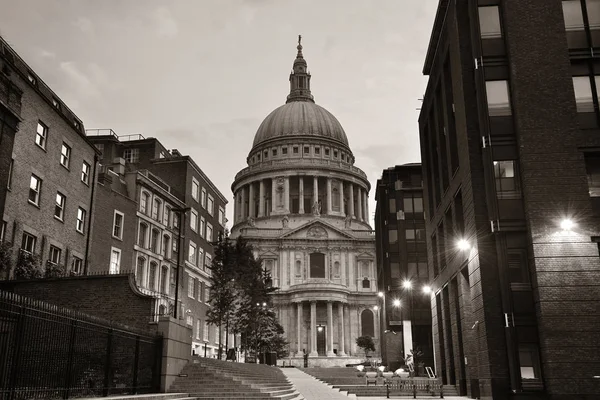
[336, 269]
[202, 227]
[284, 151]
[200, 258]
[139, 272]
[393, 236]
[392, 203]
[77, 265]
[77, 124]
[41, 135]
[505, 176]
[335, 154]
[207, 260]
[156, 208]
[198, 327]
[10, 173]
[584, 97]
[266, 154]
[54, 255]
[592, 166]
[205, 332]
[59, 207]
[209, 233]
[31, 78]
[573, 15]
[343, 157]
[2, 230]
[56, 103]
[195, 190]
[131, 155]
[167, 216]
[295, 149]
[222, 218]
[367, 322]
[164, 279]
[175, 245]
[210, 207]
[152, 276]
[35, 187]
[326, 152]
[85, 173]
[192, 253]
[529, 361]
[317, 265]
[317, 151]
[298, 268]
[306, 150]
[258, 156]
[154, 241]
[175, 220]
[142, 233]
[413, 205]
[203, 198]
[498, 98]
[80, 224]
[65, 155]
[28, 242]
[166, 244]
[489, 22]
[100, 147]
[144, 198]
[274, 152]
[191, 286]
[117, 231]
[115, 261]
[194, 220]
[206, 294]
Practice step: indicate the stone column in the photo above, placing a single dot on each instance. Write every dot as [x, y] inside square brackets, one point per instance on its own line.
[286, 194]
[359, 205]
[273, 194]
[330, 329]
[261, 199]
[341, 335]
[235, 208]
[301, 194]
[244, 215]
[299, 328]
[313, 329]
[251, 203]
[329, 199]
[348, 331]
[315, 189]
[342, 197]
[351, 201]
[366, 205]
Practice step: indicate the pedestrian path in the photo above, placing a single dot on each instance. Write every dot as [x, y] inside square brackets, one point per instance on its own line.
[311, 388]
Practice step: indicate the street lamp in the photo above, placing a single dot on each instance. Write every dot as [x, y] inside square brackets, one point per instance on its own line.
[463, 244]
[567, 224]
[396, 303]
[181, 213]
[427, 289]
[407, 284]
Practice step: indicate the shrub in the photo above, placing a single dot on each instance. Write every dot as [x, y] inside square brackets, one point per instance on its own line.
[28, 266]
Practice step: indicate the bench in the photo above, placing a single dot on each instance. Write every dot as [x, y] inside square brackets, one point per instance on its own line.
[409, 386]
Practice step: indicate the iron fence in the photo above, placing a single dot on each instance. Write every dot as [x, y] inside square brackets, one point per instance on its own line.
[47, 352]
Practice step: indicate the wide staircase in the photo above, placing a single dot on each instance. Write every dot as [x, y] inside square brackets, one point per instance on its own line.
[345, 379]
[208, 378]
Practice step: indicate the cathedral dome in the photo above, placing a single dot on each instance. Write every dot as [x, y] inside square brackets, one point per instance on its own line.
[300, 118]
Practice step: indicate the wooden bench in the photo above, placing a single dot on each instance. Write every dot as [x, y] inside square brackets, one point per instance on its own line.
[407, 386]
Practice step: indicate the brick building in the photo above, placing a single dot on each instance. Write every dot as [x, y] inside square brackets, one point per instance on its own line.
[509, 133]
[151, 165]
[48, 187]
[402, 276]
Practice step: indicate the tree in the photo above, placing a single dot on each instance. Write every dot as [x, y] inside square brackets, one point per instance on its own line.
[5, 259]
[366, 343]
[28, 266]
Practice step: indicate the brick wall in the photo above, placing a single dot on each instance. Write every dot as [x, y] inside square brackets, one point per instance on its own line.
[110, 297]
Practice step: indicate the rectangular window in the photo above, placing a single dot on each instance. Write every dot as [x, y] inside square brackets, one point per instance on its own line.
[505, 176]
[210, 207]
[573, 15]
[59, 208]
[326, 152]
[222, 218]
[65, 155]
[200, 258]
[583, 93]
[418, 204]
[192, 253]
[85, 173]
[118, 219]
[189, 320]
[198, 329]
[489, 22]
[317, 151]
[207, 260]
[191, 286]
[115, 261]
[529, 361]
[28, 242]
[205, 332]
[175, 220]
[100, 147]
[56, 103]
[203, 198]
[274, 152]
[209, 233]
[10, 173]
[592, 167]
[41, 135]
[498, 98]
[408, 205]
[131, 155]
[80, 224]
[31, 78]
[393, 236]
[77, 265]
[295, 150]
[306, 150]
[194, 220]
[195, 189]
[54, 255]
[175, 245]
[593, 12]
[392, 205]
[206, 294]
[2, 230]
[410, 234]
[284, 151]
[35, 187]
[202, 227]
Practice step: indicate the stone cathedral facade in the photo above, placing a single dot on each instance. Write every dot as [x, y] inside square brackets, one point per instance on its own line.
[303, 205]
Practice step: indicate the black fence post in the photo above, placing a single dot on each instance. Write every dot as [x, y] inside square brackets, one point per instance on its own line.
[108, 365]
[136, 363]
[70, 360]
[17, 353]
[157, 368]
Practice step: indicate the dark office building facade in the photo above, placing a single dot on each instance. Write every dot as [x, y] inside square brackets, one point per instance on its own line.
[510, 143]
[402, 274]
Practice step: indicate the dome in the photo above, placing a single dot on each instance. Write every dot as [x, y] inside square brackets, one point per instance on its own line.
[300, 118]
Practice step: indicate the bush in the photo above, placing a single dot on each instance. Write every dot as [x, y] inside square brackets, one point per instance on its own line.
[366, 343]
[55, 271]
[5, 259]
[28, 266]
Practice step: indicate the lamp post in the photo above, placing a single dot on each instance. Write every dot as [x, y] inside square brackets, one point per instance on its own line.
[181, 213]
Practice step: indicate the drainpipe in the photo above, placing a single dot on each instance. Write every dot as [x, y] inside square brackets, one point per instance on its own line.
[89, 232]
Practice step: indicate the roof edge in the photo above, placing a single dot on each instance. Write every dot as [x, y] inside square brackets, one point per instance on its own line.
[440, 18]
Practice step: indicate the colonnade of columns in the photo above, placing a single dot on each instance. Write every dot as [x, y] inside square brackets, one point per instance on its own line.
[356, 206]
[343, 320]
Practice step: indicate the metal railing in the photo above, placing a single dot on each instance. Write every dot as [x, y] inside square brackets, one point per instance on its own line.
[101, 132]
[48, 352]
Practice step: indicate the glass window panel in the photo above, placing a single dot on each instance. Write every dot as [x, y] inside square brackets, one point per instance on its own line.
[393, 236]
[583, 93]
[408, 204]
[593, 11]
[418, 204]
[392, 205]
[573, 15]
[489, 22]
[395, 270]
[498, 98]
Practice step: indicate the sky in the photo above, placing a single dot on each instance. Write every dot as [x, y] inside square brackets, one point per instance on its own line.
[201, 75]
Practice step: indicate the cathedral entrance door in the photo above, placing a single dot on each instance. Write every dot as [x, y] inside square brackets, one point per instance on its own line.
[321, 340]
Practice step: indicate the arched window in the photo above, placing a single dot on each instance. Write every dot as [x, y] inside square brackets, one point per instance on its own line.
[144, 198]
[140, 270]
[142, 233]
[317, 265]
[336, 269]
[156, 206]
[152, 275]
[367, 323]
[366, 283]
[298, 268]
[167, 216]
[155, 241]
[166, 246]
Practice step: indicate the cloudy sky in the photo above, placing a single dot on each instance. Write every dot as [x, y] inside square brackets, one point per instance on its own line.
[201, 75]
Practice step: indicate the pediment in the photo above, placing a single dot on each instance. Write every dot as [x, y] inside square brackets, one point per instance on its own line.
[317, 230]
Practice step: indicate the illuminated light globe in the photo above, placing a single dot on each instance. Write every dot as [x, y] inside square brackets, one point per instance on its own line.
[567, 224]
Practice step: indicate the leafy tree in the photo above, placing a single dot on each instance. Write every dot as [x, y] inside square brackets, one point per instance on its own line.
[366, 343]
[28, 266]
[5, 259]
[55, 271]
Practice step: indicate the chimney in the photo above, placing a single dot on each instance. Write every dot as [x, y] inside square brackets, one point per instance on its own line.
[175, 153]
